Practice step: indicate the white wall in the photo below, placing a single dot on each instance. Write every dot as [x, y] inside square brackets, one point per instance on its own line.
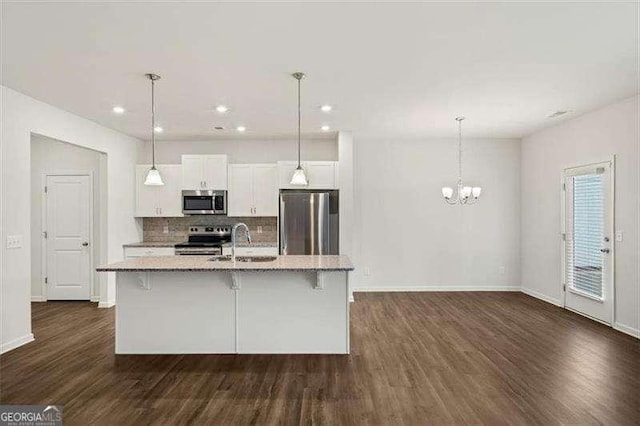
[242, 150]
[592, 137]
[50, 155]
[21, 116]
[409, 238]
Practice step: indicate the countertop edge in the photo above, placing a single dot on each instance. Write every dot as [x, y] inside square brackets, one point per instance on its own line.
[257, 269]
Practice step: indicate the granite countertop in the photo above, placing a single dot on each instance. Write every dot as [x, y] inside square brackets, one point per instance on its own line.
[154, 243]
[202, 263]
[173, 243]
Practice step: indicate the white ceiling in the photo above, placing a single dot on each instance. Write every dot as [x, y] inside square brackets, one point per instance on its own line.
[402, 70]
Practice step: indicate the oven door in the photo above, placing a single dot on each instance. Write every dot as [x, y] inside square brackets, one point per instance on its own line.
[204, 202]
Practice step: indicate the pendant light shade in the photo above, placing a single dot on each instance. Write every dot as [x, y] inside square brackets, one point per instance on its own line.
[153, 177]
[299, 178]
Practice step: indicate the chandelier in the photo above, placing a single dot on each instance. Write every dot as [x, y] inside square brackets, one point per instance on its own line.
[466, 194]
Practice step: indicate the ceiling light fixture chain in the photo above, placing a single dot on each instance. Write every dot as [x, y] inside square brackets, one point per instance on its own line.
[466, 194]
[153, 177]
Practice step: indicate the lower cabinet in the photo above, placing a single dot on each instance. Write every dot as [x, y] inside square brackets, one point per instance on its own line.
[251, 251]
[131, 252]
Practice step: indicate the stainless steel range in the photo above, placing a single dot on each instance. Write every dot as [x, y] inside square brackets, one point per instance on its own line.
[204, 240]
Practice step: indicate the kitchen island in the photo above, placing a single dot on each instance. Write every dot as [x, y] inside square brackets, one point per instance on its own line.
[191, 304]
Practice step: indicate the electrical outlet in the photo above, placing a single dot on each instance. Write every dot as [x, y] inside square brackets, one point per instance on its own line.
[165, 230]
[258, 229]
[14, 241]
[619, 236]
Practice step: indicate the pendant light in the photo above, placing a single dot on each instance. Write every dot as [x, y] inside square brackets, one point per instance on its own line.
[466, 194]
[153, 177]
[299, 178]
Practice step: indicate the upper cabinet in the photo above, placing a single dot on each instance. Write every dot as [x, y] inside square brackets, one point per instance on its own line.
[159, 201]
[320, 174]
[204, 172]
[253, 190]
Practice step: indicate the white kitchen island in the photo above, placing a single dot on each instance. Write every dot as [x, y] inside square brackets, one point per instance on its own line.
[190, 304]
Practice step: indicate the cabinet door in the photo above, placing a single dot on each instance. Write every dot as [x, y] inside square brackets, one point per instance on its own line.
[265, 189]
[321, 174]
[215, 172]
[240, 197]
[146, 196]
[285, 172]
[192, 172]
[170, 194]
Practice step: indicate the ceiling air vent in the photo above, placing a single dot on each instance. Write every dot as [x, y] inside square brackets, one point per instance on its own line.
[557, 114]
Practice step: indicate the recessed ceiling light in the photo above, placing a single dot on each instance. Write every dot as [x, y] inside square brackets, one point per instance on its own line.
[325, 128]
[326, 108]
[118, 110]
[158, 129]
[222, 109]
[241, 128]
[558, 114]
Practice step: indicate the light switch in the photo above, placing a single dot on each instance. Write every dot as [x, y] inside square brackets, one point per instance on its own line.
[14, 241]
[619, 236]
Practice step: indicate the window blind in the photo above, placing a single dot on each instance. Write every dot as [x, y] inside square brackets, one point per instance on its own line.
[585, 235]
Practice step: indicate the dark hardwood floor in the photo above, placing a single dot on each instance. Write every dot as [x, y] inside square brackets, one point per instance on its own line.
[417, 358]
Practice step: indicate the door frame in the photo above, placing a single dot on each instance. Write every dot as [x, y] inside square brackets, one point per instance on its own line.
[563, 232]
[92, 295]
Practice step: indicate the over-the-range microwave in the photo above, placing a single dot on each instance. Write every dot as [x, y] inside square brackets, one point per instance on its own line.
[204, 202]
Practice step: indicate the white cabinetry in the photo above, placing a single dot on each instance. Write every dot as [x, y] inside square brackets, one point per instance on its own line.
[253, 190]
[159, 201]
[251, 251]
[207, 172]
[320, 174]
[131, 252]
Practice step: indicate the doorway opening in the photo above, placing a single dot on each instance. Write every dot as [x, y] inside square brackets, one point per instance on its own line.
[68, 220]
[588, 254]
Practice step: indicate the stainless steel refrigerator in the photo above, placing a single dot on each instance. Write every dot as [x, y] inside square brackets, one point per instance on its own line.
[309, 222]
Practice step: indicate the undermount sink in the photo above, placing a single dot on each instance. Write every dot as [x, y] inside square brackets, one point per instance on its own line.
[256, 258]
[246, 259]
[221, 259]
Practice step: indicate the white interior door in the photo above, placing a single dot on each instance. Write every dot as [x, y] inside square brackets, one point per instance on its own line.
[68, 227]
[589, 250]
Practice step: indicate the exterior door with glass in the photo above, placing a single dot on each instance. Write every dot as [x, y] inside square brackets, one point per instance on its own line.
[588, 244]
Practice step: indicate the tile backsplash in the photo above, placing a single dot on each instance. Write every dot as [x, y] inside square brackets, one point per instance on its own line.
[178, 227]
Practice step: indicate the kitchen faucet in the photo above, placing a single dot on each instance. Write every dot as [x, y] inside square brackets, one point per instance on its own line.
[233, 238]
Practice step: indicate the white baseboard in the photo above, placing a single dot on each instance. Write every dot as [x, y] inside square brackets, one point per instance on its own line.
[541, 296]
[627, 330]
[95, 299]
[15, 343]
[438, 288]
[108, 304]
[38, 299]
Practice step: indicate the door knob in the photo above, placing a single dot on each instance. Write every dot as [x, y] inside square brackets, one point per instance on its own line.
[605, 250]
[85, 244]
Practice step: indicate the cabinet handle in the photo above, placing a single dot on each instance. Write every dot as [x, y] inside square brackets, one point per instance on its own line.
[160, 210]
